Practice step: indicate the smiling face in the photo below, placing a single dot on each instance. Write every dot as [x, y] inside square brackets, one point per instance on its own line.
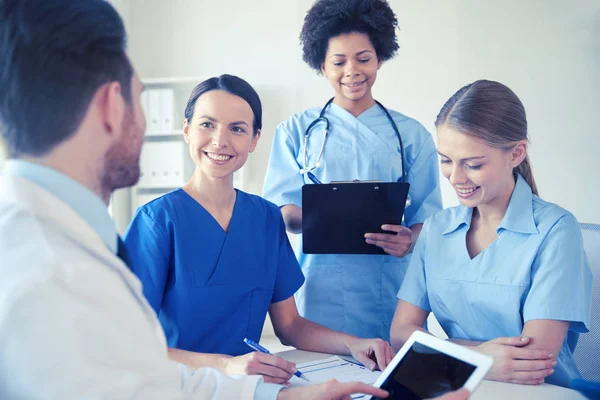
[220, 133]
[480, 174]
[351, 66]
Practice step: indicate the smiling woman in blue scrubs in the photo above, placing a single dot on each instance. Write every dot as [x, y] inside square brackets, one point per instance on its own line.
[213, 260]
[347, 42]
[505, 271]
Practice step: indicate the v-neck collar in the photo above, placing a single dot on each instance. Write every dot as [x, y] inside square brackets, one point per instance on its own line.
[347, 114]
[236, 205]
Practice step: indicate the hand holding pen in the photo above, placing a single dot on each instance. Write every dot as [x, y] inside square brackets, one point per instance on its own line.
[273, 363]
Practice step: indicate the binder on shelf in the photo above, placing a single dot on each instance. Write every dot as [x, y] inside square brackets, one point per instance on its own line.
[153, 117]
[162, 165]
[167, 99]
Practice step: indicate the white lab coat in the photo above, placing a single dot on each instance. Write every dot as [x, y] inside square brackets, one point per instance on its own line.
[73, 320]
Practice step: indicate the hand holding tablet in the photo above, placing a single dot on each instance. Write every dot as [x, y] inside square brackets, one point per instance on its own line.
[427, 367]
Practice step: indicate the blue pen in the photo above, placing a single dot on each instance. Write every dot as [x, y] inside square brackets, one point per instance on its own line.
[261, 349]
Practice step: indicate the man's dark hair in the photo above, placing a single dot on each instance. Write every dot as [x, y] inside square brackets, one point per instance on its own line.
[331, 18]
[54, 55]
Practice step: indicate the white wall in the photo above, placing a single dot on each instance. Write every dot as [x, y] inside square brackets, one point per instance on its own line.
[547, 51]
[120, 203]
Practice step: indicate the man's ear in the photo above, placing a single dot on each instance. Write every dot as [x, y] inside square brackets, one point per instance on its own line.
[111, 105]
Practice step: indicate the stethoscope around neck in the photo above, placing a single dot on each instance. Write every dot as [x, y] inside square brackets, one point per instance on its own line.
[322, 118]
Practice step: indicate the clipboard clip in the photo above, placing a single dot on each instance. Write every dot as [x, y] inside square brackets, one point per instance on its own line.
[356, 181]
[408, 199]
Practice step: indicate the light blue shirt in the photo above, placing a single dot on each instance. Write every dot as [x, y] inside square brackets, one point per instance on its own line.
[355, 294]
[535, 269]
[81, 199]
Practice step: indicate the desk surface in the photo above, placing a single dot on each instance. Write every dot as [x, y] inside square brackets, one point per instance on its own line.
[487, 390]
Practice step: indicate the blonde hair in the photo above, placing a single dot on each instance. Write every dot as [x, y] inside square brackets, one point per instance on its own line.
[491, 113]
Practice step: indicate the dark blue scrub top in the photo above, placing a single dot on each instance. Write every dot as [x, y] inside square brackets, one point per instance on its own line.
[211, 288]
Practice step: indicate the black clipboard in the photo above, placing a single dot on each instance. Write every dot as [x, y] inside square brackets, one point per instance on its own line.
[336, 216]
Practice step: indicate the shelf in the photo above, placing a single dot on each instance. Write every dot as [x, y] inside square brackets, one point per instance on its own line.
[165, 133]
[159, 137]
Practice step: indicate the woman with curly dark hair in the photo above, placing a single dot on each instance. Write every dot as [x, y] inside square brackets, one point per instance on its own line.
[347, 41]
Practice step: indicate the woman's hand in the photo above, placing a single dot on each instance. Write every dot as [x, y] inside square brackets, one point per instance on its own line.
[515, 364]
[398, 243]
[273, 369]
[372, 353]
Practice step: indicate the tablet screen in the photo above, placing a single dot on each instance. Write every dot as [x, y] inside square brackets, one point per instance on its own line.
[424, 372]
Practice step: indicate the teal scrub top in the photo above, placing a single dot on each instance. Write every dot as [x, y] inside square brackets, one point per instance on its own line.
[535, 269]
[211, 288]
[355, 294]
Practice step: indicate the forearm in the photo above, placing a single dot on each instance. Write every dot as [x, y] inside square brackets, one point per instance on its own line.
[307, 335]
[465, 342]
[401, 332]
[199, 360]
[546, 335]
[292, 216]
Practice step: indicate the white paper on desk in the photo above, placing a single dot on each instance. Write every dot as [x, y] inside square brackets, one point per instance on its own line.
[334, 368]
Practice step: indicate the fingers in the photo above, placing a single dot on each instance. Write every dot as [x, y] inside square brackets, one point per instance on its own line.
[392, 244]
[382, 351]
[341, 390]
[275, 369]
[520, 382]
[532, 376]
[533, 365]
[512, 341]
[383, 238]
[529, 354]
[389, 355]
[276, 362]
[365, 360]
[270, 373]
[397, 229]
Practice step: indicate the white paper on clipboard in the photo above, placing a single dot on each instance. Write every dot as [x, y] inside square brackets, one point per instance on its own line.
[335, 367]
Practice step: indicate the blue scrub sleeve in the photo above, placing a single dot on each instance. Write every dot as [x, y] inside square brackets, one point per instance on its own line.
[149, 250]
[283, 181]
[414, 285]
[289, 275]
[423, 175]
[561, 279]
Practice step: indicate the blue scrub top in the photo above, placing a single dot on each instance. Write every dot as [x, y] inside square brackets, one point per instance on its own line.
[535, 269]
[355, 294]
[211, 288]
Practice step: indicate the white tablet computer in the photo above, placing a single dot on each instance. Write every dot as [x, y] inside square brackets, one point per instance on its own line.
[428, 367]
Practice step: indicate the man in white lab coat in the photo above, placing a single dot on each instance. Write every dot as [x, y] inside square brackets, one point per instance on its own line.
[73, 321]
